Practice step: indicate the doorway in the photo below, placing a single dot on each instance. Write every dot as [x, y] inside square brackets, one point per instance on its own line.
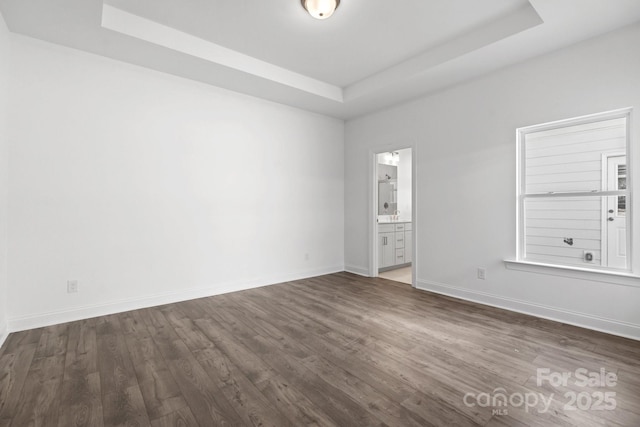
[393, 207]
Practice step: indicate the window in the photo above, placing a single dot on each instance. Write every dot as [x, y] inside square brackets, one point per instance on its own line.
[574, 199]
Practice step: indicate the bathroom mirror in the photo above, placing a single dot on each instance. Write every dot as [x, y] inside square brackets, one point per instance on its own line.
[387, 189]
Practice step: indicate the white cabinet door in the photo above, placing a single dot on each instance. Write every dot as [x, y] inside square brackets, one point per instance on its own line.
[408, 246]
[386, 250]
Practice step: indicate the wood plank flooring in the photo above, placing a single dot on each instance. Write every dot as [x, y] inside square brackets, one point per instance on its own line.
[336, 350]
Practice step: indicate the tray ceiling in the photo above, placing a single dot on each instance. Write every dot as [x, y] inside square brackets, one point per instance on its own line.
[369, 55]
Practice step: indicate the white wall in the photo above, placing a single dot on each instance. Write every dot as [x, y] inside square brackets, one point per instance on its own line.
[148, 188]
[4, 139]
[466, 171]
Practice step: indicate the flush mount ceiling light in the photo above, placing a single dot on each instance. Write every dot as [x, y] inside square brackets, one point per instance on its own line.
[320, 9]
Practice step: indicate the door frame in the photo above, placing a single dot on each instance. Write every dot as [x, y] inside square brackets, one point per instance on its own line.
[373, 205]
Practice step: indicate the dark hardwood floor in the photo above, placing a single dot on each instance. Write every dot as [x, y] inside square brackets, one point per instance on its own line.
[333, 350]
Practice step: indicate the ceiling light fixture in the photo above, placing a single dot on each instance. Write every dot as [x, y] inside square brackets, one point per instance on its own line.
[320, 9]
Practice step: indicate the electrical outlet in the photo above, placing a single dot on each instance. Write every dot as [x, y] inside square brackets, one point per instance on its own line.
[72, 286]
[588, 256]
[482, 273]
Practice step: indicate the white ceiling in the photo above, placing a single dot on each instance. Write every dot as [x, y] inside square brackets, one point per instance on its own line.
[369, 55]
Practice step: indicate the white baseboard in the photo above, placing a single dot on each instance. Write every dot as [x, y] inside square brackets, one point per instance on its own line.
[4, 333]
[356, 269]
[615, 327]
[601, 324]
[22, 323]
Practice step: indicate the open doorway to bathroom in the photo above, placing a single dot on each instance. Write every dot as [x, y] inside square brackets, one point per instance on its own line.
[394, 215]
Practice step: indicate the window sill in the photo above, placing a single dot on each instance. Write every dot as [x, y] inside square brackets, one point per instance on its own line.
[613, 277]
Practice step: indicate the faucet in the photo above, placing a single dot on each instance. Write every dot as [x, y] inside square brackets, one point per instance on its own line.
[395, 214]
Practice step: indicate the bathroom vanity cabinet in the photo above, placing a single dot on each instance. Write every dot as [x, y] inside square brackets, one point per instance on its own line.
[394, 245]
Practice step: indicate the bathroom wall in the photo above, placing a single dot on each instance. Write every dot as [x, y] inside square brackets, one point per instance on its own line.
[404, 184]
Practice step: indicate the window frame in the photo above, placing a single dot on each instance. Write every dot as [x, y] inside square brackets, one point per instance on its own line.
[522, 196]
